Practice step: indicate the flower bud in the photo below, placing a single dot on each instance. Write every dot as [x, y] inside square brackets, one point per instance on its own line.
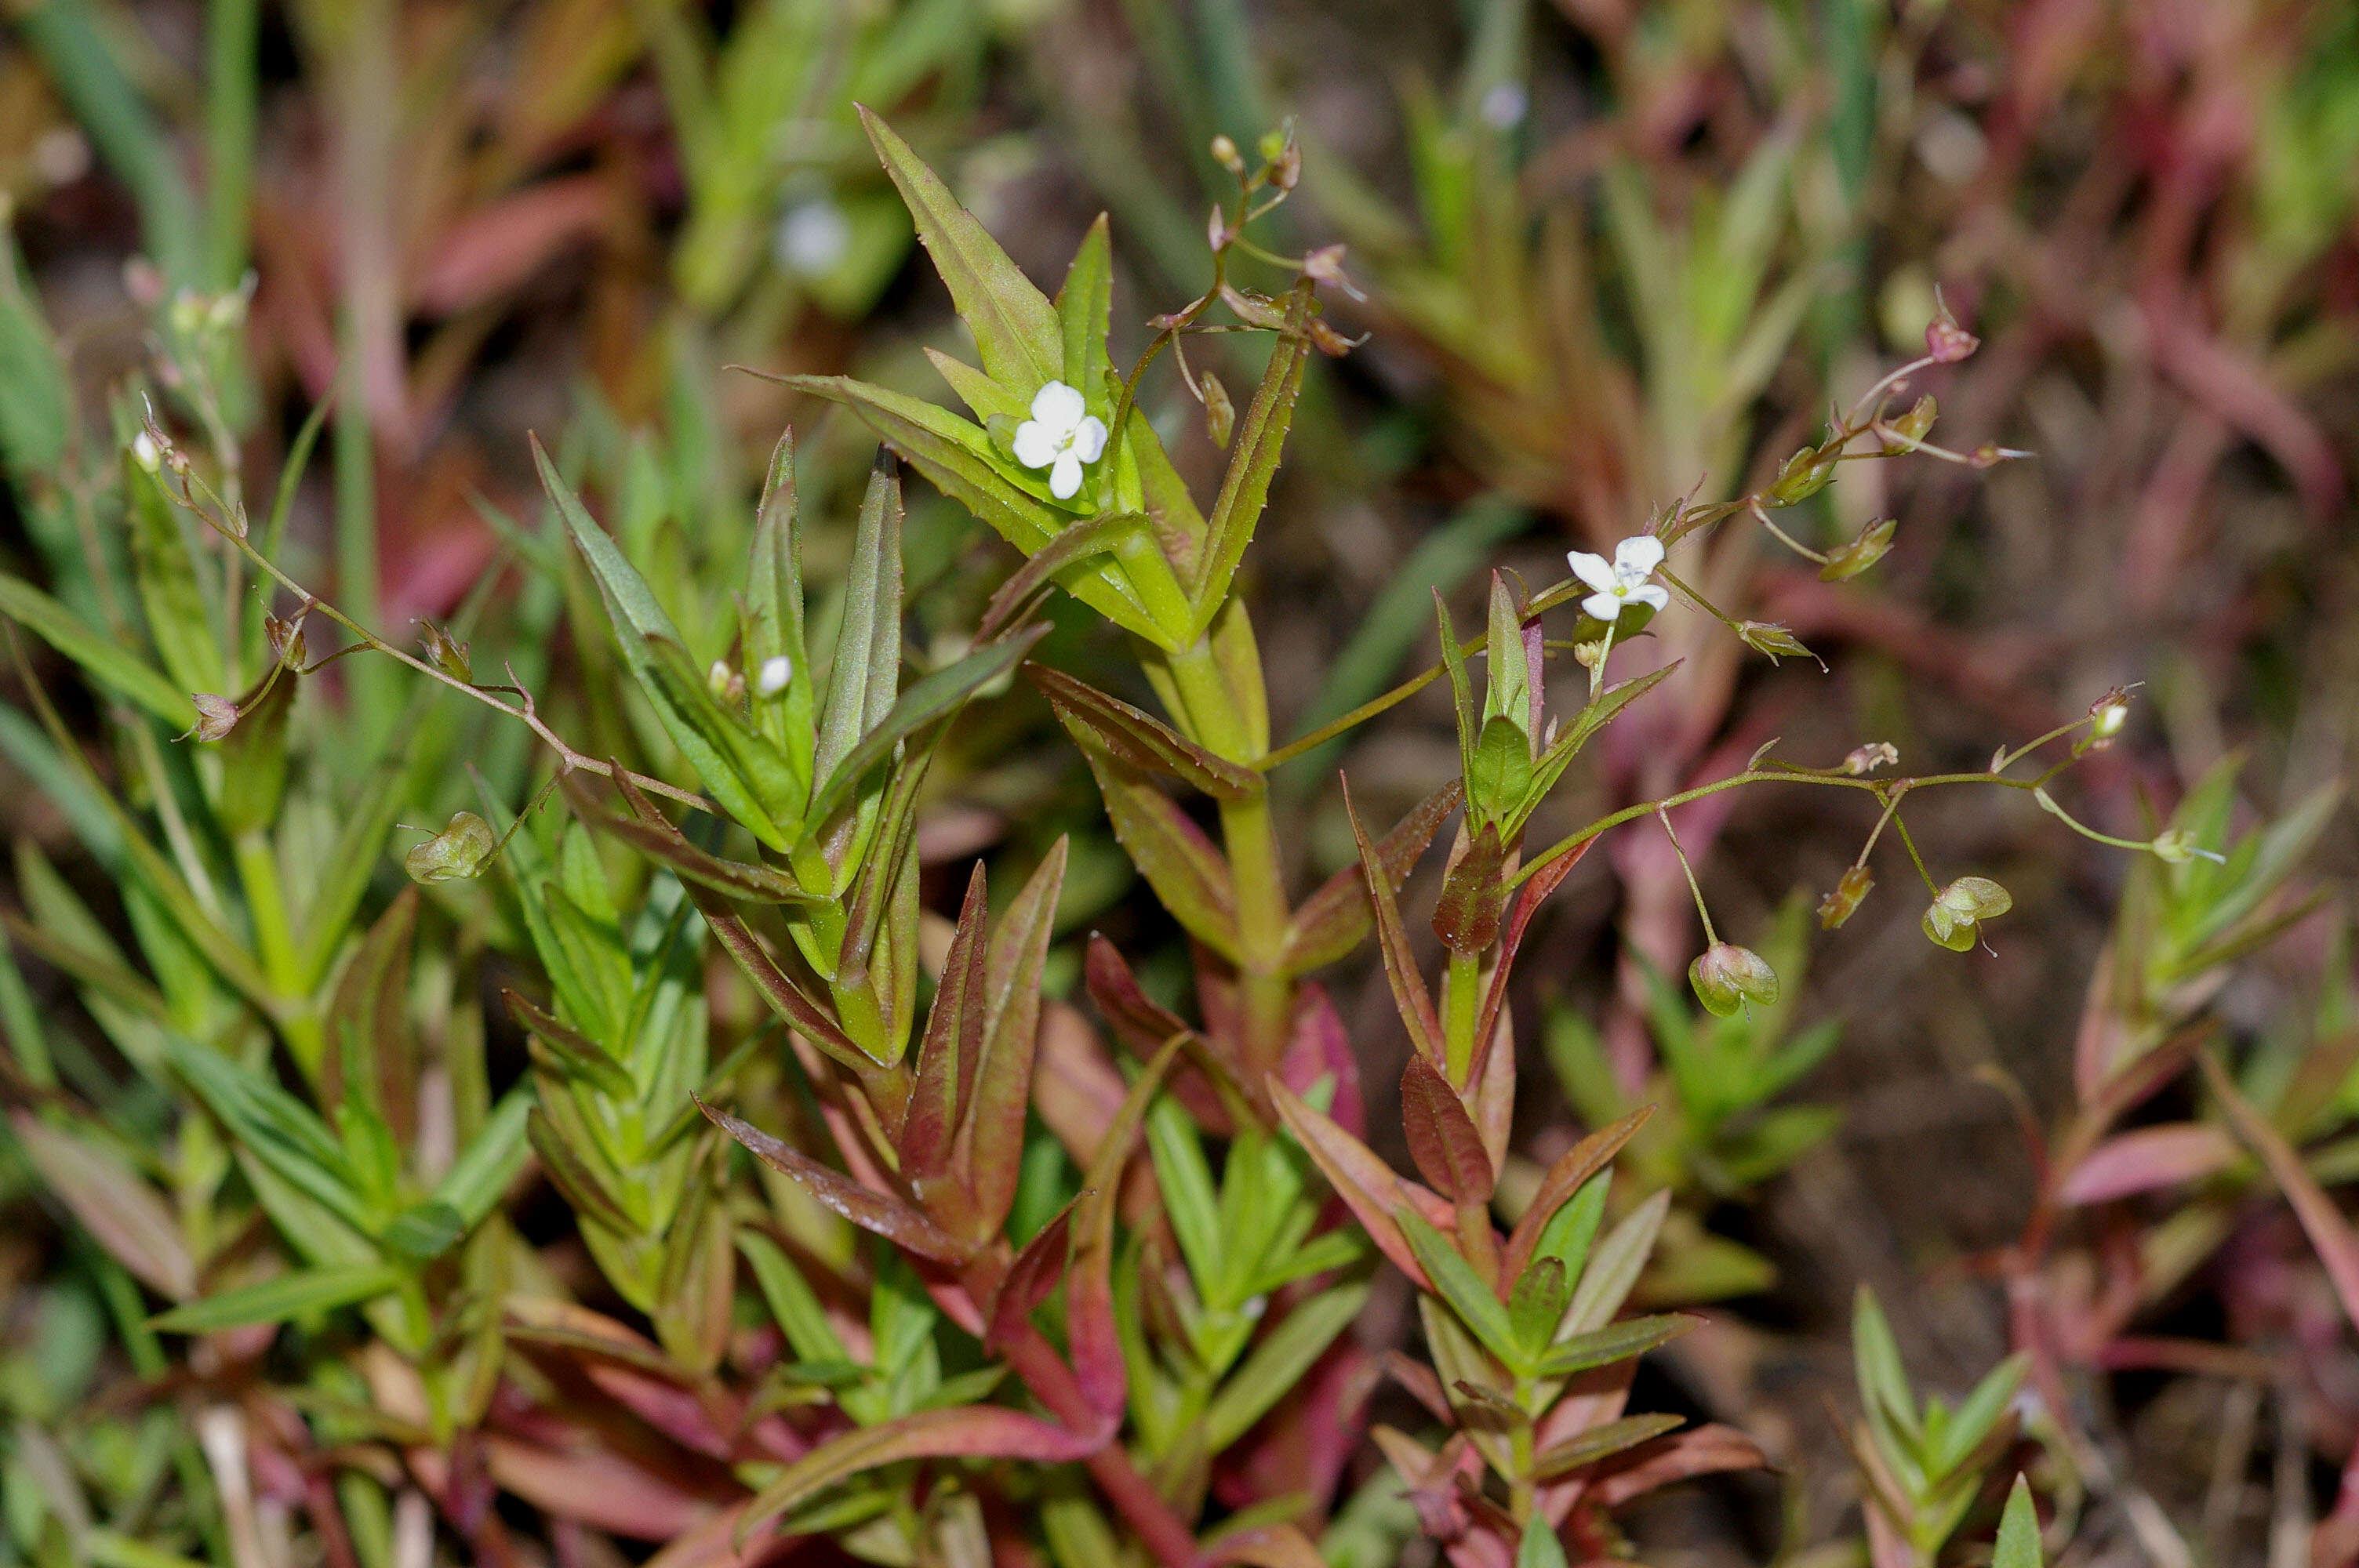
[1946, 342]
[216, 716]
[1862, 553]
[2174, 847]
[458, 852]
[1868, 758]
[1770, 637]
[145, 453]
[1728, 977]
[1225, 154]
[286, 641]
[1805, 474]
[2106, 716]
[776, 671]
[1216, 229]
[1915, 424]
[1845, 901]
[446, 654]
[1219, 414]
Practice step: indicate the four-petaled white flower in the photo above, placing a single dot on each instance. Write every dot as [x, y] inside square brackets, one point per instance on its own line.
[1622, 580]
[1061, 434]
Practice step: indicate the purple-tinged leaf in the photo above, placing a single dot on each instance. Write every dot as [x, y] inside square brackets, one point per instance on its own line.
[1319, 1048]
[1601, 1443]
[1568, 1175]
[1137, 740]
[1410, 995]
[2147, 1157]
[1263, 1546]
[1543, 881]
[988, 1153]
[1188, 873]
[653, 834]
[567, 1053]
[1474, 895]
[947, 1057]
[1011, 604]
[872, 1211]
[785, 998]
[1330, 922]
[1704, 1451]
[2330, 1234]
[1030, 1278]
[1090, 1328]
[1442, 1139]
[121, 1212]
[1137, 1021]
[1364, 1182]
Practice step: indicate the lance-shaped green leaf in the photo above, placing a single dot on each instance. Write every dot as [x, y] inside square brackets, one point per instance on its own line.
[877, 1212]
[1279, 1363]
[2018, 1531]
[490, 1162]
[972, 1432]
[1571, 1172]
[787, 997]
[866, 675]
[1253, 462]
[1014, 326]
[113, 666]
[1616, 1263]
[1601, 1441]
[119, 1209]
[1085, 310]
[773, 617]
[1329, 924]
[1139, 740]
[1410, 998]
[1536, 1306]
[283, 1299]
[568, 1054]
[947, 1057]
[1188, 873]
[654, 835]
[931, 698]
[1559, 753]
[172, 597]
[690, 715]
[273, 1125]
[1443, 1138]
[424, 1231]
[764, 769]
[1456, 1282]
[373, 1051]
[957, 458]
[582, 1174]
[1061, 560]
[988, 1154]
[1614, 1342]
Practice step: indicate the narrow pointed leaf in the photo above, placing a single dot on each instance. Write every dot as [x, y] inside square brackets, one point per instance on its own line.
[1252, 463]
[1614, 1342]
[1366, 1184]
[1570, 1172]
[928, 699]
[1601, 1441]
[113, 666]
[1139, 740]
[946, 1059]
[1329, 924]
[1410, 998]
[283, 1299]
[120, 1210]
[1456, 1282]
[989, 1152]
[1442, 1139]
[872, 1211]
[1278, 1365]
[1188, 874]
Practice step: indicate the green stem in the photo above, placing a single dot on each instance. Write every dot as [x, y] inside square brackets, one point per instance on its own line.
[232, 34]
[1250, 837]
[1462, 1001]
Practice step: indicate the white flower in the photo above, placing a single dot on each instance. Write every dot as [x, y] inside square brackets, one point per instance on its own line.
[776, 670]
[814, 238]
[1061, 434]
[1623, 580]
[145, 453]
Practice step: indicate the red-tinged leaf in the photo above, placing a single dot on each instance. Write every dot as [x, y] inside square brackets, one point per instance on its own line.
[2330, 1234]
[1410, 995]
[1319, 1048]
[1082, 542]
[1266, 1546]
[674, 1411]
[1137, 1021]
[1364, 1182]
[988, 1153]
[1187, 872]
[713, 1544]
[1253, 462]
[947, 1057]
[595, 1486]
[123, 1213]
[371, 1039]
[568, 1053]
[1074, 1083]
[1543, 881]
[1474, 895]
[654, 835]
[969, 1431]
[2147, 1157]
[785, 998]
[503, 243]
[1602, 1442]
[1332, 921]
[1442, 1139]
[1704, 1451]
[872, 1211]
[1137, 738]
[1491, 1091]
[1568, 1175]
[1090, 1329]
[1030, 1278]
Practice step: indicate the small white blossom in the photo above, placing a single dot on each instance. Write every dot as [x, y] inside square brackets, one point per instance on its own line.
[145, 453]
[1505, 106]
[1061, 434]
[1623, 580]
[814, 238]
[776, 670]
[2108, 720]
[717, 677]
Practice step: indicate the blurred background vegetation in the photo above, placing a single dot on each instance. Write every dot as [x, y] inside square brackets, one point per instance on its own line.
[1614, 252]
